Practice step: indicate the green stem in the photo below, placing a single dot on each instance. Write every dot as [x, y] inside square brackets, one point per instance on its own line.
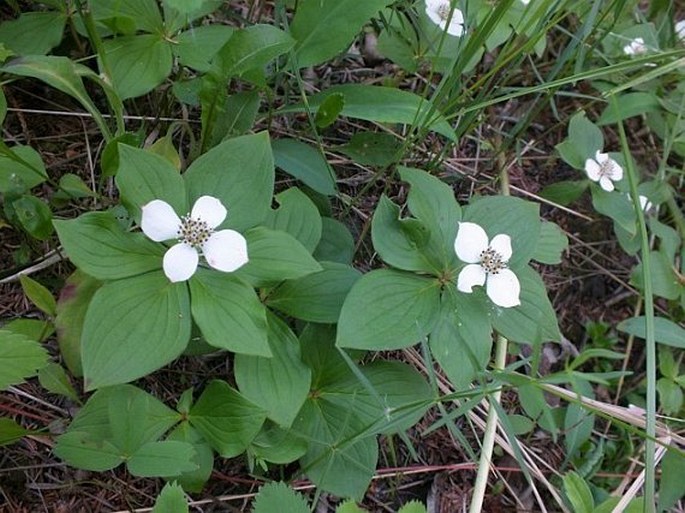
[650, 446]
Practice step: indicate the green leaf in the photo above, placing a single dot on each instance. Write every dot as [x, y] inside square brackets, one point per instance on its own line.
[670, 396]
[34, 329]
[20, 358]
[239, 172]
[252, 48]
[370, 148]
[39, 295]
[665, 331]
[382, 104]
[578, 493]
[329, 110]
[20, 166]
[551, 244]
[616, 206]
[133, 327]
[532, 322]
[461, 341]
[171, 500]
[143, 176]
[194, 481]
[34, 215]
[317, 297]
[665, 281]
[10, 431]
[236, 116]
[97, 244]
[627, 106]
[324, 28]
[584, 139]
[138, 63]
[80, 450]
[413, 507]
[336, 244]
[276, 445]
[160, 459]
[229, 313]
[671, 484]
[578, 421]
[73, 303]
[226, 419]
[432, 202]
[565, 192]
[279, 497]
[349, 506]
[305, 163]
[58, 72]
[197, 46]
[279, 384]
[74, 186]
[513, 216]
[296, 215]
[54, 379]
[275, 256]
[33, 33]
[388, 309]
[144, 13]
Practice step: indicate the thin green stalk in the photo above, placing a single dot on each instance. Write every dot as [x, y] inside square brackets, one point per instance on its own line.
[489, 436]
[651, 364]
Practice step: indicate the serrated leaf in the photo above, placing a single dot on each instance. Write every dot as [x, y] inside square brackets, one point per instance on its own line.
[349, 506]
[133, 327]
[279, 497]
[53, 378]
[171, 500]
[195, 480]
[413, 507]
[20, 358]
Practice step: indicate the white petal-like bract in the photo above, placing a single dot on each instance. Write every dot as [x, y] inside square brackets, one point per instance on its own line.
[502, 244]
[504, 288]
[226, 250]
[210, 210]
[159, 221]
[471, 276]
[180, 262]
[471, 241]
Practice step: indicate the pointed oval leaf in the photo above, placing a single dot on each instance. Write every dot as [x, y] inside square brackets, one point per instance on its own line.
[133, 327]
[160, 459]
[305, 163]
[388, 309]
[298, 216]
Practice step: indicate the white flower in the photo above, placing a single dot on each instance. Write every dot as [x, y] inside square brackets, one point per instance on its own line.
[225, 250]
[680, 30]
[635, 47]
[487, 265]
[441, 12]
[645, 204]
[525, 2]
[604, 169]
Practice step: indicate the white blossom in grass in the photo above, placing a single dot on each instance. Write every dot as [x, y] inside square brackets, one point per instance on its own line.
[525, 2]
[680, 30]
[487, 265]
[645, 204]
[635, 47]
[445, 16]
[604, 169]
[224, 250]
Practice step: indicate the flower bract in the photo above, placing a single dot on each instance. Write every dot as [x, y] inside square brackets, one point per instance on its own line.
[224, 250]
[447, 17]
[604, 169]
[635, 47]
[645, 204]
[680, 30]
[486, 265]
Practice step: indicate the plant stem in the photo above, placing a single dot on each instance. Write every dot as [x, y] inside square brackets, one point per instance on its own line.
[489, 436]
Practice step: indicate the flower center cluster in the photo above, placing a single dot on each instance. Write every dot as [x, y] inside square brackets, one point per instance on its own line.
[444, 11]
[194, 232]
[491, 261]
[606, 168]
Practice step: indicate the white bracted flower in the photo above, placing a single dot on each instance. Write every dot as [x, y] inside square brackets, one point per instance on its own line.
[225, 250]
[439, 12]
[635, 47]
[525, 2]
[680, 30]
[645, 204]
[604, 169]
[487, 265]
